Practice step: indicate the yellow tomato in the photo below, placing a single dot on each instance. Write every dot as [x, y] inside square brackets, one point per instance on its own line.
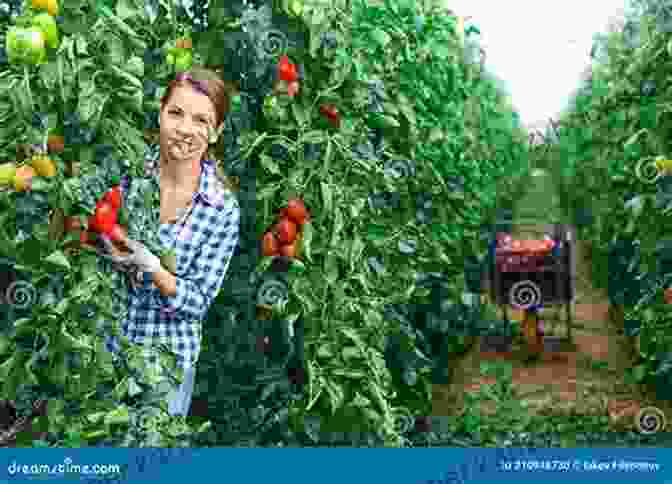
[23, 179]
[51, 6]
[44, 166]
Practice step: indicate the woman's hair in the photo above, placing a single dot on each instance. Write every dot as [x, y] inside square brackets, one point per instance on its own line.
[219, 92]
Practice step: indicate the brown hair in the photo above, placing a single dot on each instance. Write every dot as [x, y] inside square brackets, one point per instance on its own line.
[220, 93]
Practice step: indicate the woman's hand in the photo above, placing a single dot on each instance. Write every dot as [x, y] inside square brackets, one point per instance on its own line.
[128, 252]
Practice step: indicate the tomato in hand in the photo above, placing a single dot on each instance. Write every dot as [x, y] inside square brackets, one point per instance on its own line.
[113, 197]
[105, 217]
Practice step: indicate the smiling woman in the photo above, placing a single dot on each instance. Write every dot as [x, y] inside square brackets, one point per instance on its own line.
[198, 220]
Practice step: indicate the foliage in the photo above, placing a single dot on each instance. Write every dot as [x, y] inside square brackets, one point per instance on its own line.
[399, 193]
[604, 161]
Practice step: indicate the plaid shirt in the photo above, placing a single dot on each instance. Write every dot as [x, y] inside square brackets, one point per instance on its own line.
[204, 238]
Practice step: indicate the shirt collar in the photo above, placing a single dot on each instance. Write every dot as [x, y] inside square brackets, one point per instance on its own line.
[209, 189]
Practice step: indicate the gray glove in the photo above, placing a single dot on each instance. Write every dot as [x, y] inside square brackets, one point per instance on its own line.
[139, 256]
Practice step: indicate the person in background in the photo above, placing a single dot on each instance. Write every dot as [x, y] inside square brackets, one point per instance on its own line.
[199, 218]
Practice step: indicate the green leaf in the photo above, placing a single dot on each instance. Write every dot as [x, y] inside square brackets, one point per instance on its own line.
[639, 373]
[352, 374]
[353, 336]
[326, 198]
[297, 267]
[351, 352]
[299, 114]
[324, 351]
[331, 268]
[307, 241]
[270, 165]
[118, 416]
[376, 232]
[133, 388]
[356, 249]
[380, 37]
[59, 259]
[336, 395]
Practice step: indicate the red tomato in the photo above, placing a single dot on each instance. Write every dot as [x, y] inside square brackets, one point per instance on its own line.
[116, 234]
[287, 70]
[288, 250]
[72, 224]
[269, 245]
[286, 231]
[296, 211]
[668, 295]
[113, 197]
[105, 217]
[293, 89]
[85, 237]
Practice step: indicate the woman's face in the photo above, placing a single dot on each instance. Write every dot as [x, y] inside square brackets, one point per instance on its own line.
[186, 120]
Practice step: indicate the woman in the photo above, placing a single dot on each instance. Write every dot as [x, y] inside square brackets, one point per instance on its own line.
[199, 218]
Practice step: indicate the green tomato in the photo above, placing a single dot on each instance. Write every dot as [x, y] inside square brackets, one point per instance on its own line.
[47, 24]
[270, 105]
[183, 61]
[26, 45]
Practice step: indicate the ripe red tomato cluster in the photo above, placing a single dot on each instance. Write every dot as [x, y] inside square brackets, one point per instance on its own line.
[284, 237]
[106, 217]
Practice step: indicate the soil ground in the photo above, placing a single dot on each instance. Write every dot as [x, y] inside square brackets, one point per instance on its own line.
[586, 379]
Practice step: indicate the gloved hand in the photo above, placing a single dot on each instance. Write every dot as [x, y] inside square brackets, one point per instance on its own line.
[139, 256]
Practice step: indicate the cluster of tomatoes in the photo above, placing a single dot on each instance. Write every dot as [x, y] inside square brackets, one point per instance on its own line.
[28, 43]
[38, 164]
[105, 220]
[284, 237]
[21, 177]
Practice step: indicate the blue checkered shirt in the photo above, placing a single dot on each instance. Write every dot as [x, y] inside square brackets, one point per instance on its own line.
[204, 238]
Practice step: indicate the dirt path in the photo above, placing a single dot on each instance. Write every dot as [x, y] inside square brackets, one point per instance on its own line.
[587, 380]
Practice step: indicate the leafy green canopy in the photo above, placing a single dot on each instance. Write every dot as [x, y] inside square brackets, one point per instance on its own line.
[398, 194]
[609, 139]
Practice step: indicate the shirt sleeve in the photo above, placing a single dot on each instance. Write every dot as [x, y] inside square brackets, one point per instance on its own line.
[197, 290]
